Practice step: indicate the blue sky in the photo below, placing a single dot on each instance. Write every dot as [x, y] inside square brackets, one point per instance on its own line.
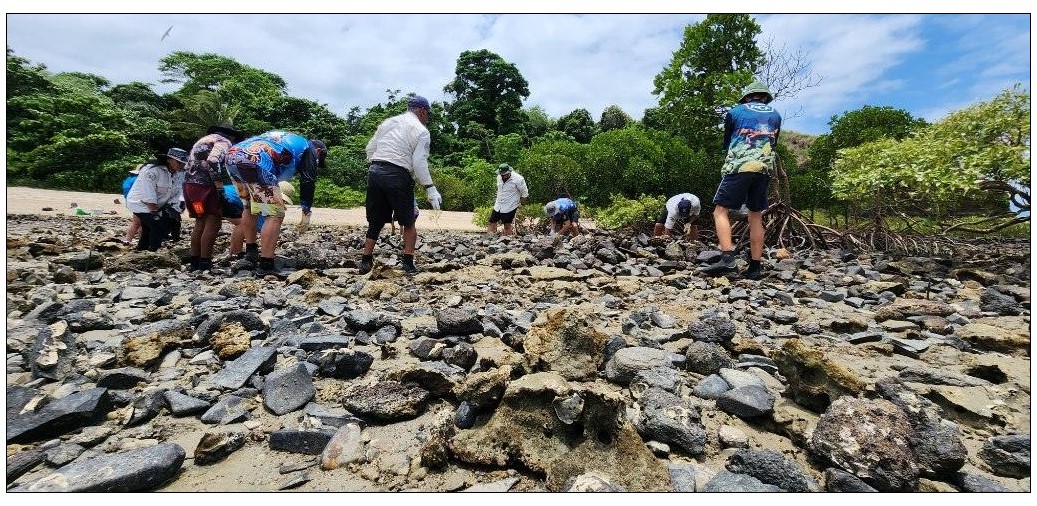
[927, 64]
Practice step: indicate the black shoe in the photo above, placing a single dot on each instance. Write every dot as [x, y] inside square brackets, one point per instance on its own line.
[753, 274]
[410, 269]
[366, 265]
[721, 266]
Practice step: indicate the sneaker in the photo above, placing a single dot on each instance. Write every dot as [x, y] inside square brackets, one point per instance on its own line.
[721, 266]
[753, 274]
[410, 269]
[366, 265]
[252, 257]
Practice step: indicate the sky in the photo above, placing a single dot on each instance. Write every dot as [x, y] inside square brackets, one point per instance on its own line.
[927, 64]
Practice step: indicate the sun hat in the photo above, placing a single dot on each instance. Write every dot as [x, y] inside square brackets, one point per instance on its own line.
[551, 209]
[503, 168]
[754, 88]
[174, 153]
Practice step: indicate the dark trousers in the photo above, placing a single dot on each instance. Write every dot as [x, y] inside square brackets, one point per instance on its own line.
[152, 231]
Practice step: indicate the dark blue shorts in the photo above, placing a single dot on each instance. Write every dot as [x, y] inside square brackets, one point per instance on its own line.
[749, 188]
[572, 215]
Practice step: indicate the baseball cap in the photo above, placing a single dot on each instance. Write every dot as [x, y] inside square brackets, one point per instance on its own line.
[503, 168]
[176, 154]
[684, 208]
[418, 102]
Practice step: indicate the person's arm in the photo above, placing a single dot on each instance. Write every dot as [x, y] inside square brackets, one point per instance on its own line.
[419, 160]
[216, 157]
[307, 179]
[523, 192]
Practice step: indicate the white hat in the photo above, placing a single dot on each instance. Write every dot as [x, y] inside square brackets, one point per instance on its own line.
[287, 191]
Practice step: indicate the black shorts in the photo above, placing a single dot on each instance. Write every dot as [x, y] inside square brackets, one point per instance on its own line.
[749, 188]
[390, 195]
[505, 218]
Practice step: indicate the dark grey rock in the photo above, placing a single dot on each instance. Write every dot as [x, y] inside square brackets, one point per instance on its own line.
[286, 390]
[682, 477]
[60, 415]
[463, 355]
[439, 378]
[129, 471]
[122, 378]
[259, 359]
[248, 320]
[216, 446]
[458, 321]
[939, 450]
[386, 334]
[713, 329]
[746, 361]
[1008, 455]
[464, 418]
[387, 401]
[614, 344]
[976, 483]
[706, 358]
[184, 405]
[146, 406]
[994, 301]
[627, 362]
[726, 481]
[227, 410]
[53, 355]
[308, 442]
[746, 402]
[331, 416]
[331, 307]
[660, 377]
[427, 348]
[369, 321]
[23, 462]
[343, 363]
[326, 342]
[711, 387]
[837, 480]
[772, 468]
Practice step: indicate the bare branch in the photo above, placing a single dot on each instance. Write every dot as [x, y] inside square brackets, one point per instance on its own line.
[787, 72]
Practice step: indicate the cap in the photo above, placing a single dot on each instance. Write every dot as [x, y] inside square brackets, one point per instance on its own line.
[551, 208]
[287, 191]
[174, 153]
[418, 102]
[503, 168]
[684, 208]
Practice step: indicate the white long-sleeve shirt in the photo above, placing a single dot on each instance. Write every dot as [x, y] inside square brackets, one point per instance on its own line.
[402, 140]
[671, 208]
[510, 193]
[155, 185]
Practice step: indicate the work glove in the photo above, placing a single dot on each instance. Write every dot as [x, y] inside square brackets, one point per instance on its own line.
[434, 198]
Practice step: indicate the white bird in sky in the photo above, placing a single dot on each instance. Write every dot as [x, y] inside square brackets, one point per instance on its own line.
[164, 35]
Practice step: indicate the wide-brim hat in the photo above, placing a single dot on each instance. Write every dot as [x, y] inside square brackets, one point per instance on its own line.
[174, 153]
[503, 168]
[287, 191]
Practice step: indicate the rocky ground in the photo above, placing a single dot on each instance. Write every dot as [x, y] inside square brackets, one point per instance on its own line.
[530, 364]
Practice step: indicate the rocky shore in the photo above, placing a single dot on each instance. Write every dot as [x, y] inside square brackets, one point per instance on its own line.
[598, 363]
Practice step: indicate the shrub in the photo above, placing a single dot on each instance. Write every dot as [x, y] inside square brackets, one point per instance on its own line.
[630, 214]
[328, 194]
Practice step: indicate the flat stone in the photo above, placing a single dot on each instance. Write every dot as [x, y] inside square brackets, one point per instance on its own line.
[747, 402]
[286, 390]
[308, 442]
[59, 416]
[682, 477]
[726, 481]
[738, 379]
[458, 321]
[23, 462]
[238, 371]
[184, 405]
[387, 401]
[227, 410]
[331, 416]
[326, 342]
[130, 471]
[627, 362]
[837, 480]
[345, 447]
[711, 387]
[495, 486]
[899, 325]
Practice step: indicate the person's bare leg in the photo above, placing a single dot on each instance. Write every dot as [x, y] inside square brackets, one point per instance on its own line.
[132, 229]
[196, 236]
[492, 227]
[410, 238]
[723, 226]
[509, 229]
[693, 232]
[268, 240]
[369, 246]
[237, 236]
[210, 229]
[756, 232]
[248, 226]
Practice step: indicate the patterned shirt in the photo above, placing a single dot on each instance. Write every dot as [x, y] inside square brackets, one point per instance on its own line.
[751, 138]
[278, 156]
[205, 159]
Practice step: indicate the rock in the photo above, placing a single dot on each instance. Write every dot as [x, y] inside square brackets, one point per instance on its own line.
[63, 454]
[593, 482]
[438, 378]
[464, 418]
[122, 378]
[746, 402]
[458, 321]
[345, 447]
[726, 481]
[994, 301]
[327, 342]
[713, 329]
[387, 401]
[227, 410]
[426, 348]
[663, 321]
[674, 424]
[732, 437]
[569, 408]
[1008, 455]
[130, 471]
[937, 445]
[869, 438]
[707, 358]
[994, 338]
[900, 309]
[711, 387]
[813, 378]
[627, 362]
[184, 405]
[286, 390]
[738, 379]
[342, 363]
[146, 406]
[59, 415]
[660, 377]
[496, 486]
[462, 355]
[230, 340]
[216, 446]
[837, 480]
[976, 483]
[23, 462]
[307, 442]
[145, 348]
[564, 342]
[331, 416]
[772, 468]
[682, 477]
[483, 390]
[53, 352]
[234, 374]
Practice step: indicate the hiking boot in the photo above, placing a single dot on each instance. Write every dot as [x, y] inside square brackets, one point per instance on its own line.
[251, 257]
[366, 264]
[409, 268]
[725, 264]
[752, 273]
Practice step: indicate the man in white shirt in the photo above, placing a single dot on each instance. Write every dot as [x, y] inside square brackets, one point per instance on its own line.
[511, 193]
[157, 186]
[680, 210]
[398, 154]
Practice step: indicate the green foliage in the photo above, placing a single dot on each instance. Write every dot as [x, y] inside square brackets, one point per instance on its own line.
[945, 165]
[554, 168]
[328, 194]
[579, 125]
[346, 166]
[633, 214]
[537, 123]
[530, 211]
[716, 59]
[488, 91]
[507, 148]
[613, 118]
[857, 127]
